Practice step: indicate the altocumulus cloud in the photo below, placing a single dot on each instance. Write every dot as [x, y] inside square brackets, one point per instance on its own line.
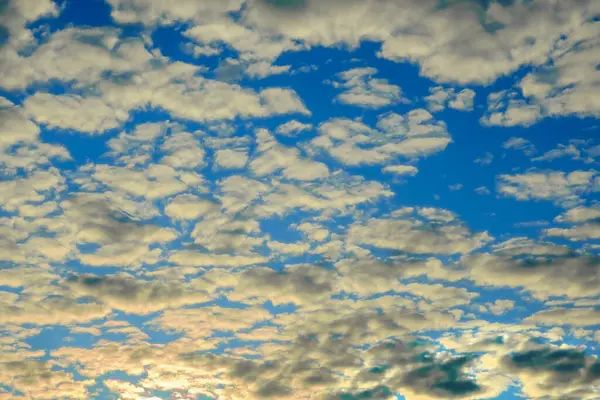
[299, 199]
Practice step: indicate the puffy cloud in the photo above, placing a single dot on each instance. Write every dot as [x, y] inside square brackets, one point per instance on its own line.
[124, 292]
[563, 188]
[20, 145]
[441, 97]
[256, 49]
[499, 307]
[338, 192]
[581, 232]
[401, 170]
[178, 89]
[574, 276]
[153, 12]
[272, 156]
[579, 214]
[80, 55]
[90, 114]
[413, 135]
[183, 151]
[362, 90]
[554, 372]
[17, 14]
[416, 236]
[197, 259]
[566, 316]
[35, 188]
[296, 284]
[492, 45]
[293, 127]
[47, 309]
[153, 182]
[40, 379]
[505, 110]
[187, 206]
[231, 158]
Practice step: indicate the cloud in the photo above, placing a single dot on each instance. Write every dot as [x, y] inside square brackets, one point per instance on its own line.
[231, 159]
[271, 157]
[504, 110]
[90, 115]
[20, 144]
[413, 135]
[41, 379]
[296, 284]
[517, 143]
[574, 276]
[197, 259]
[293, 128]
[581, 232]
[35, 188]
[522, 246]
[485, 160]
[401, 170]
[79, 55]
[579, 214]
[563, 188]
[441, 97]
[138, 296]
[362, 90]
[416, 236]
[566, 316]
[47, 309]
[554, 372]
[562, 151]
[157, 12]
[178, 89]
[257, 50]
[190, 207]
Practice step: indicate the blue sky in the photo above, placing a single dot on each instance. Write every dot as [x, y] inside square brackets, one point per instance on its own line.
[301, 199]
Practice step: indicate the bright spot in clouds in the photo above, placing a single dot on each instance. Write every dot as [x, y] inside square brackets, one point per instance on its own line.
[299, 199]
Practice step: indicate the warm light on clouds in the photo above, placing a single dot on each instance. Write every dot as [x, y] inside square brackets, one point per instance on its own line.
[299, 199]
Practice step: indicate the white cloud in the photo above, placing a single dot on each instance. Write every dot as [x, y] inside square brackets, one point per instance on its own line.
[581, 232]
[178, 89]
[441, 97]
[579, 214]
[417, 237]
[231, 158]
[401, 170]
[362, 90]
[159, 12]
[518, 143]
[505, 110]
[482, 190]
[272, 157]
[563, 188]
[292, 128]
[190, 207]
[91, 114]
[485, 160]
[522, 246]
[562, 151]
[414, 135]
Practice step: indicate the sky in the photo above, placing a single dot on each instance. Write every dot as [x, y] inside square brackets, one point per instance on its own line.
[299, 199]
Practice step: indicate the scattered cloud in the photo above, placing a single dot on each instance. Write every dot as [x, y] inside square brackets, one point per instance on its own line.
[361, 89]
